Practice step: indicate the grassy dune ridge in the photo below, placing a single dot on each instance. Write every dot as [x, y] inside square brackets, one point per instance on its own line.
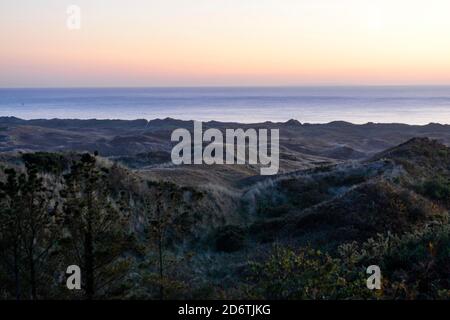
[348, 196]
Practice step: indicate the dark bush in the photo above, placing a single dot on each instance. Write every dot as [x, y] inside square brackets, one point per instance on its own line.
[438, 189]
[230, 239]
[46, 162]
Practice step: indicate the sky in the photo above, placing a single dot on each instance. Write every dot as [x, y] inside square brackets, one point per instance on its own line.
[224, 42]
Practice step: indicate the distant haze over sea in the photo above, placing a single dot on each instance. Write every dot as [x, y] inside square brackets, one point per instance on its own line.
[400, 104]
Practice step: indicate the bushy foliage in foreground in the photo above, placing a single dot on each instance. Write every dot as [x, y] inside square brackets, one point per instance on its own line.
[82, 212]
[304, 274]
[413, 266]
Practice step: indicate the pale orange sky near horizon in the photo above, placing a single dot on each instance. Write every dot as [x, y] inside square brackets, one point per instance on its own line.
[225, 42]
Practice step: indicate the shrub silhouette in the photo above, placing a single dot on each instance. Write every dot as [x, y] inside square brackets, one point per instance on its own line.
[230, 239]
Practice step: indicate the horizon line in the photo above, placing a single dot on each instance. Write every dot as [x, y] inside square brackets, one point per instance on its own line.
[228, 86]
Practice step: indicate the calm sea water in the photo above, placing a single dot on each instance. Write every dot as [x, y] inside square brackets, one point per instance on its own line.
[413, 105]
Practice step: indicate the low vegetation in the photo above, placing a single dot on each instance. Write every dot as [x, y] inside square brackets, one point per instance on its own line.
[304, 235]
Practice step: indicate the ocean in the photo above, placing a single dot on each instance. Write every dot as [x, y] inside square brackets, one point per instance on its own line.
[381, 104]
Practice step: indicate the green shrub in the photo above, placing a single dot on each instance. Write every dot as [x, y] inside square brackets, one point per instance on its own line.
[437, 189]
[305, 274]
[413, 266]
